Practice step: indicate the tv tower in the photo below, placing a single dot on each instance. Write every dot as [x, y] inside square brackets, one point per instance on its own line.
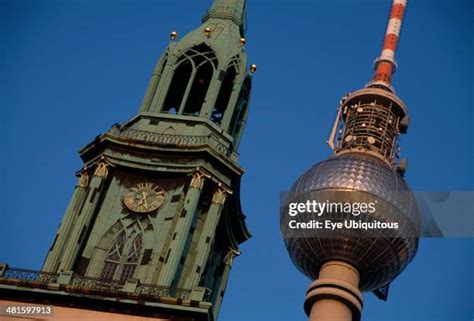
[365, 166]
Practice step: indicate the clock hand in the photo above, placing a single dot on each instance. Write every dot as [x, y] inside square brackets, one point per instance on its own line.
[144, 197]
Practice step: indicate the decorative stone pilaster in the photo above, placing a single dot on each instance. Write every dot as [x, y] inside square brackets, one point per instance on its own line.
[219, 295]
[219, 197]
[84, 217]
[207, 238]
[229, 258]
[181, 230]
[102, 169]
[83, 179]
[62, 237]
[197, 180]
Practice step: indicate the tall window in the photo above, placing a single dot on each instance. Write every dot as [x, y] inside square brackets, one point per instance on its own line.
[191, 80]
[123, 256]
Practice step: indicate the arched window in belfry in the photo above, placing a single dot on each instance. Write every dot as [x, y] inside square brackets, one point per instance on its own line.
[178, 86]
[238, 118]
[124, 254]
[225, 92]
[205, 62]
[191, 80]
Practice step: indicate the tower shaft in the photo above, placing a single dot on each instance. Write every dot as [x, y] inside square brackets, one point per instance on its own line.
[334, 296]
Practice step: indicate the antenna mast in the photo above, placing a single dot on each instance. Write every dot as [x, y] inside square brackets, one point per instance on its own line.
[385, 64]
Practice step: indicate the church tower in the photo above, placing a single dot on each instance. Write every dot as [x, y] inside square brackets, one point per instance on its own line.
[156, 211]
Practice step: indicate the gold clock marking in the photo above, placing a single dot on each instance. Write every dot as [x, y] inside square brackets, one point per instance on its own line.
[144, 197]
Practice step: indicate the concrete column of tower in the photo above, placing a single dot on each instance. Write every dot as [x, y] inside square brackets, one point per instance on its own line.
[334, 296]
[84, 217]
[181, 230]
[52, 260]
[206, 238]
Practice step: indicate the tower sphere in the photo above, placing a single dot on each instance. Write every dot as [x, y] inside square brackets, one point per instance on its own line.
[378, 257]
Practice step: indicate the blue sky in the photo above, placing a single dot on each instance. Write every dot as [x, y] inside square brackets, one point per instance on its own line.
[70, 69]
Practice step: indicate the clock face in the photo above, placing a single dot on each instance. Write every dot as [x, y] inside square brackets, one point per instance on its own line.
[144, 198]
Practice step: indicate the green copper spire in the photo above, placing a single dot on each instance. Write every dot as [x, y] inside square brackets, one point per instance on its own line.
[204, 76]
[228, 9]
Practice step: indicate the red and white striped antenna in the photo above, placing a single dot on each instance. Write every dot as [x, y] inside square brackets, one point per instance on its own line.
[385, 64]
